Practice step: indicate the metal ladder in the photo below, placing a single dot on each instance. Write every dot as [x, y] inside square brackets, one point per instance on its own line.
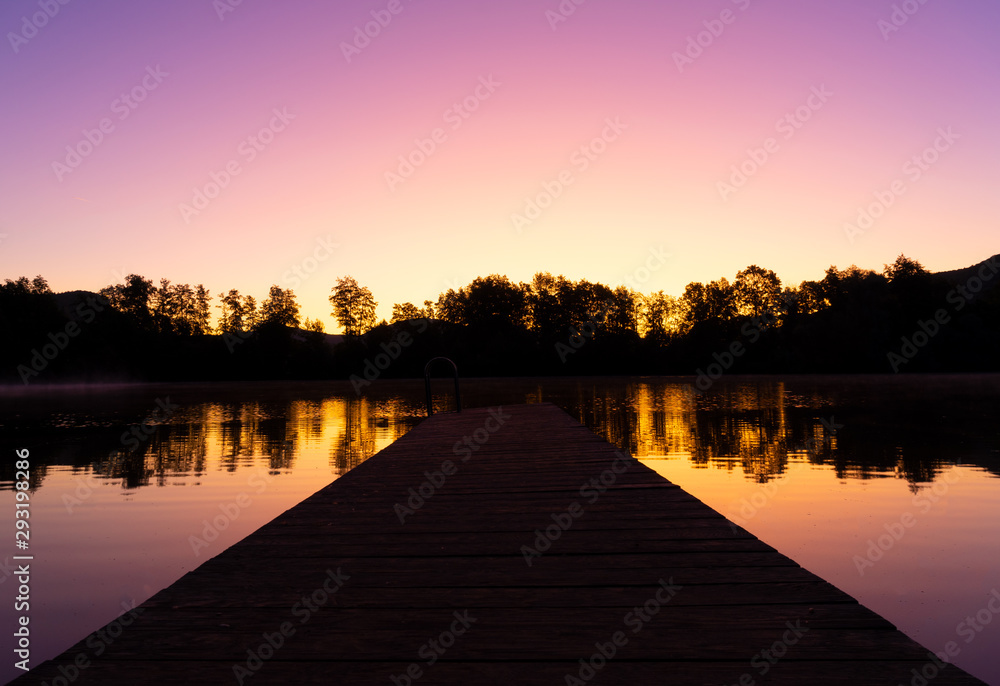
[427, 384]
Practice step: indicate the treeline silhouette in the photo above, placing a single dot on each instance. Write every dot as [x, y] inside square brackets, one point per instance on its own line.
[902, 318]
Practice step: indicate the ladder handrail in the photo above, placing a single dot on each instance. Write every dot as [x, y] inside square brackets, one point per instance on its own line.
[427, 384]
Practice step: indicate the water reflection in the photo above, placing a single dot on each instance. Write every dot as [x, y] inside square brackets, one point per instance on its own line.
[862, 428]
[243, 434]
[104, 499]
[748, 425]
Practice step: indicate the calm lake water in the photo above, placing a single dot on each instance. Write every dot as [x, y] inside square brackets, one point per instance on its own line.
[888, 487]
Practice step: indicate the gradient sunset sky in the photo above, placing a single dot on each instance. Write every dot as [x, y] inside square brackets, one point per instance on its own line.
[205, 77]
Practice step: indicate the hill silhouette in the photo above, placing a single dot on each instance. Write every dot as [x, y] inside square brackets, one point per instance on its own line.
[960, 276]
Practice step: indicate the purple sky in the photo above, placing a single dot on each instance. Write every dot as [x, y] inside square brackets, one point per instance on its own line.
[504, 109]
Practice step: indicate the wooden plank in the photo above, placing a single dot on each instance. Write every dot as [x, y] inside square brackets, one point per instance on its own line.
[280, 672]
[822, 600]
[473, 573]
[625, 542]
[495, 635]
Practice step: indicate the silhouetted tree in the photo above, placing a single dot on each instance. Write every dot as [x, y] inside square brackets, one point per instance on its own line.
[251, 315]
[185, 309]
[314, 325]
[659, 318]
[791, 302]
[853, 288]
[721, 301]
[583, 302]
[353, 306]
[161, 306]
[280, 308]
[450, 306]
[231, 312]
[694, 307]
[623, 312]
[545, 309]
[495, 302]
[903, 269]
[27, 309]
[202, 310]
[176, 309]
[22, 286]
[133, 299]
[845, 322]
[809, 298]
[405, 312]
[757, 293]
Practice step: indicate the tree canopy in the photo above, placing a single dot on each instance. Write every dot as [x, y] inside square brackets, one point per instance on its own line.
[850, 320]
[353, 306]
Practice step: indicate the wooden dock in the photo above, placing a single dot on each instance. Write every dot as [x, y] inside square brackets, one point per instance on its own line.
[631, 581]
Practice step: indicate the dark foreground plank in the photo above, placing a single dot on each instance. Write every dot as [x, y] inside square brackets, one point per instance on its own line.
[456, 582]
